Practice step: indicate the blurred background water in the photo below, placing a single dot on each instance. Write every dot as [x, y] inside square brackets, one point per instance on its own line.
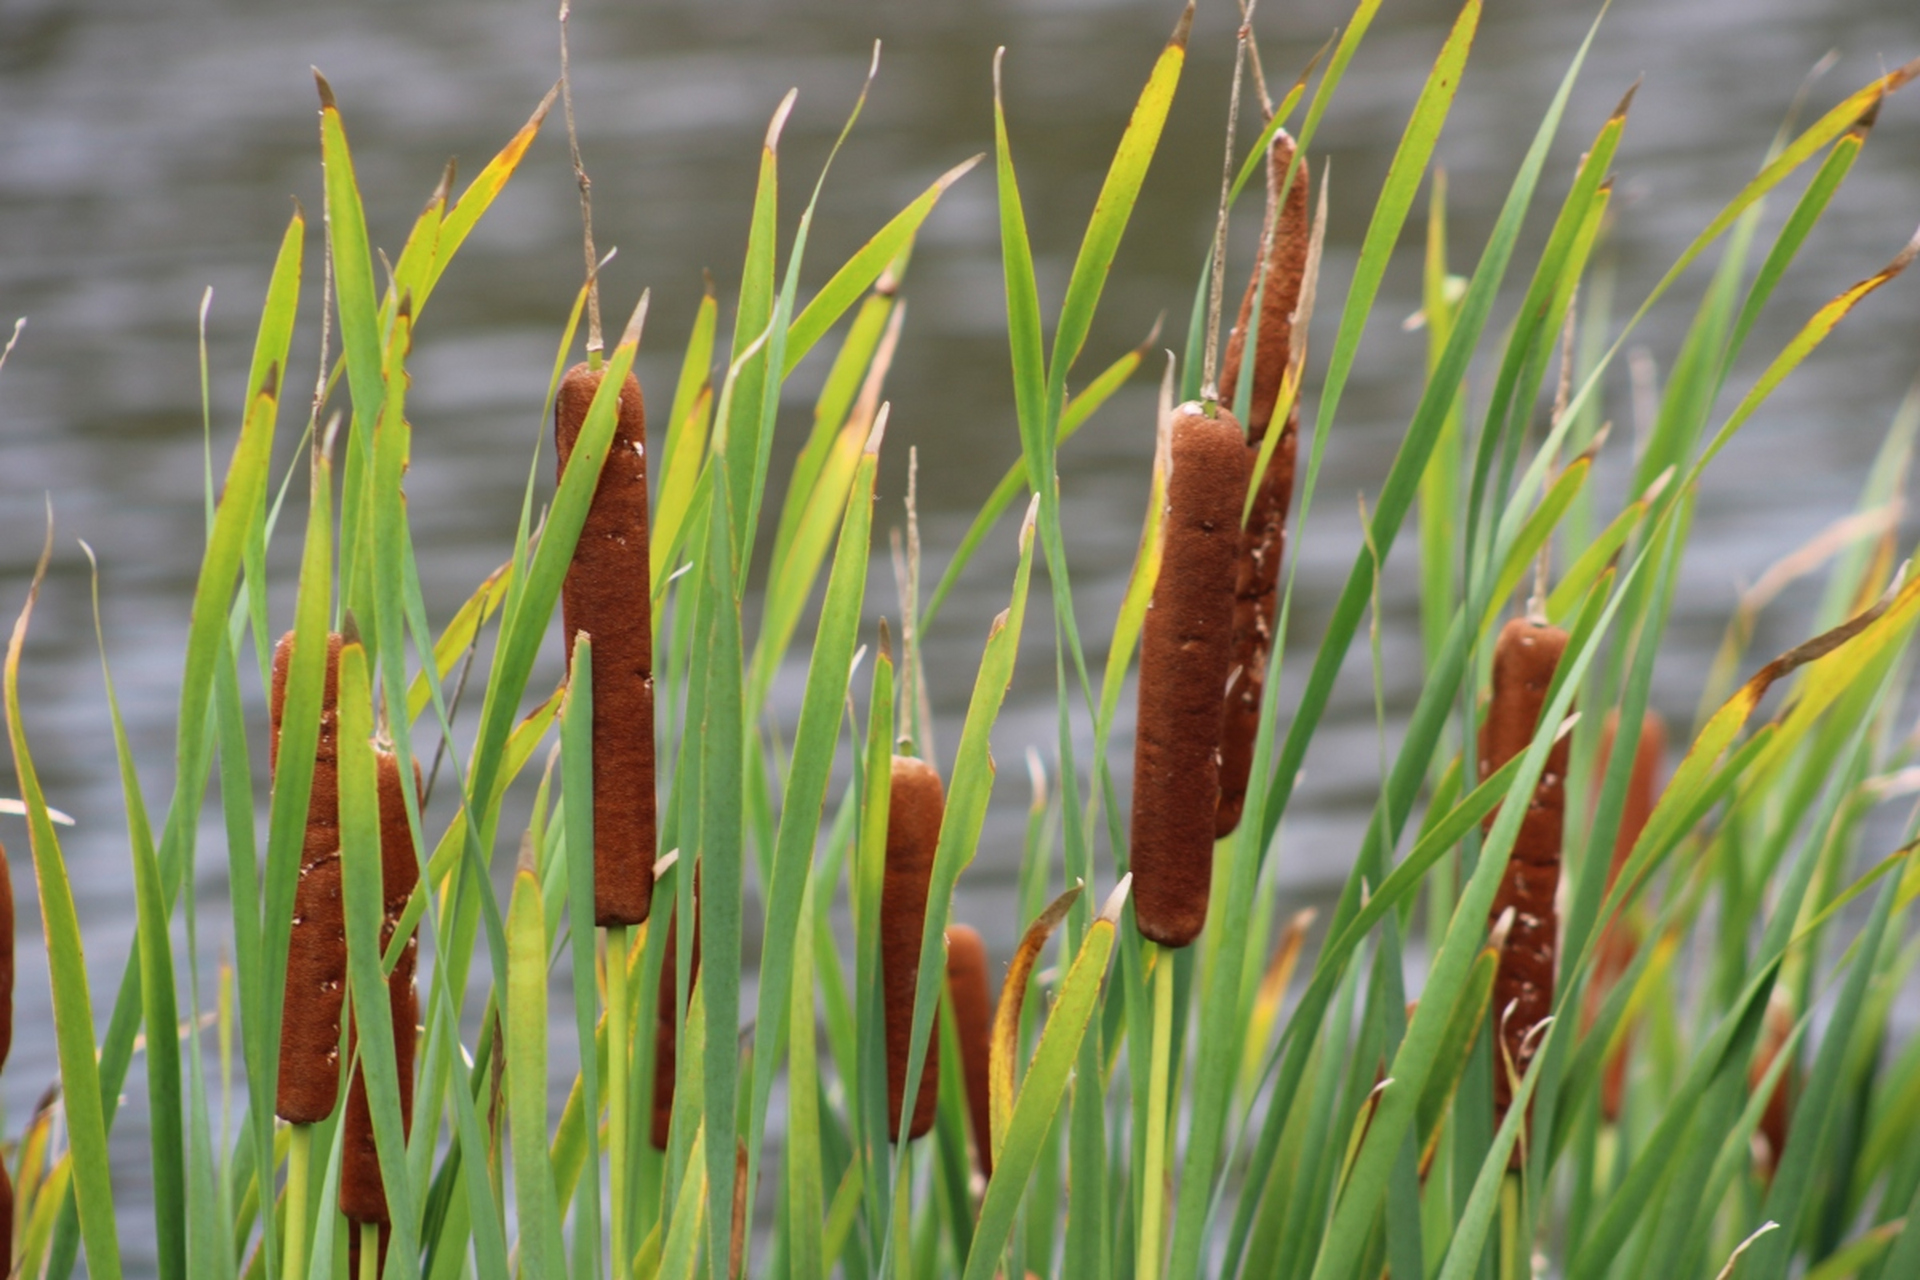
[149, 150]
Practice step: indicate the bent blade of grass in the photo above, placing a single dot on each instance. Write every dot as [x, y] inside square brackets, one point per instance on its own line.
[461, 633]
[742, 423]
[859, 272]
[479, 196]
[1112, 209]
[66, 962]
[1023, 301]
[1041, 1091]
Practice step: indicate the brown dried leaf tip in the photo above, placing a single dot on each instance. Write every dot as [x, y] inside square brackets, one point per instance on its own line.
[1524, 659]
[362, 1193]
[915, 807]
[309, 1078]
[1620, 940]
[1276, 283]
[972, 994]
[607, 594]
[1185, 652]
[666, 1019]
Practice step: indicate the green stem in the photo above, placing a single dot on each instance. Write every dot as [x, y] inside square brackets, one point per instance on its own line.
[1512, 1265]
[618, 1044]
[369, 1251]
[1154, 1171]
[299, 1155]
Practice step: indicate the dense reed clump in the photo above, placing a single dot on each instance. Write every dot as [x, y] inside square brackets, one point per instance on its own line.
[607, 595]
[1132, 1110]
[915, 807]
[1275, 288]
[1185, 651]
[972, 995]
[317, 950]
[1524, 659]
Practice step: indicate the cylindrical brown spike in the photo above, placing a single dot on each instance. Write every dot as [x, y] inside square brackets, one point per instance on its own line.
[914, 809]
[666, 1020]
[1184, 655]
[972, 996]
[1614, 952]
[607, 595]
[1524, 659]
[362, 1192]
[1263, 541]
[309, 1079]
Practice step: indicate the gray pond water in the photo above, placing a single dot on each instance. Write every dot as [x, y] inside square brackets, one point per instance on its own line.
[149, 150]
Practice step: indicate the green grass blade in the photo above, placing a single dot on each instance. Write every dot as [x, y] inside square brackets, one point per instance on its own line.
[576, 763]
[526, 1051]
[72, 1005]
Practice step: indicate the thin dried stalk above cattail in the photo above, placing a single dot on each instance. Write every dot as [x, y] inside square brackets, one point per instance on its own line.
[1524, 660]
[607, 595]
[915, 807]
[1185, 654]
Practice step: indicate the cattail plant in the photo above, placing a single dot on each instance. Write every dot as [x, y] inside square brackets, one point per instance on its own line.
[1275, 288]
[1621, 938]
[363, 1196]
[1776, 1028]
[309, 1083]
[607, 595]
[1524, 659]
[1185, 651]
[915, 806]
[972, 995]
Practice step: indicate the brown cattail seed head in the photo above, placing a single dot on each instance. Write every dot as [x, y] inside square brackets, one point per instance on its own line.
[1184, 660]
[309, 1077]
[1620, 939]
[1524, 659]
[666, 1021]
[362, 1192]
[607, 594]
[1263, 541]
[972, 994]
[914, 809]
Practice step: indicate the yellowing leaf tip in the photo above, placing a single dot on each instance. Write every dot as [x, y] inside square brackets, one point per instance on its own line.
[1182, 28]
[779, 121]
[1110, 910]
[875, 436]
[637, 322]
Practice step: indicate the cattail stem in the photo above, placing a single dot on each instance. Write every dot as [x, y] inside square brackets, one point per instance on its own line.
[1513, 1264]
[369, 1251]
[1154, 1165]
[1184, 655]
[619, 1045]
[299, 1158]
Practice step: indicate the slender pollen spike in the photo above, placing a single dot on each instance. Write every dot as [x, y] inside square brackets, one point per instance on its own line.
[972, 994]
[363, 1195]
[1524, 659]
[1185, 650]
[915, 807]
[309, 1079]
[666, 1021]
[607, 594]
[1276, 283]
[1613, 954]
